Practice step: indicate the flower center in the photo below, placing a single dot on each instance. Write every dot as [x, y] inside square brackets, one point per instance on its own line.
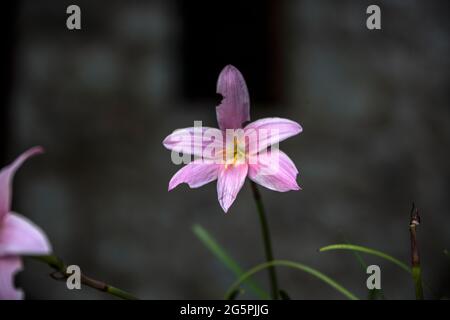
[234, 153]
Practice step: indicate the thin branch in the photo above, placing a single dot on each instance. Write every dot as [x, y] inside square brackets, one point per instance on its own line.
[60, 274]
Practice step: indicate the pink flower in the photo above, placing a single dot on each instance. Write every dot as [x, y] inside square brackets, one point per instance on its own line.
[235, 152]
[18, 235]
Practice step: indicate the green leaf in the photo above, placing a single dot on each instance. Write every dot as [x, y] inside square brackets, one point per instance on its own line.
[294, 265]
[373, 294]
[374, 252]
[416, 274]
[222, 255]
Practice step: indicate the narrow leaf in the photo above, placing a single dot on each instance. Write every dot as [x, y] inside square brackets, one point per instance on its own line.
[223, 257]
[294, 265]
[368, 251]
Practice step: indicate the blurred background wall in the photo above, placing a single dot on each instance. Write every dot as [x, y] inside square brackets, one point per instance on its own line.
[373, 104]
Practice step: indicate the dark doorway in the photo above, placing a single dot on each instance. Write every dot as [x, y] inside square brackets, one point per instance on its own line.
[242, 33]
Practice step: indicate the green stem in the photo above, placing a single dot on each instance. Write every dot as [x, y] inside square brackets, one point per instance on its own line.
[295, 265]
[417, 277]
[266, 239]
[57, 264]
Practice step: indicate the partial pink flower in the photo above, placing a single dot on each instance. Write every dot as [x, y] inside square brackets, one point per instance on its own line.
[18, 235]
[234, 109]
[235, 152]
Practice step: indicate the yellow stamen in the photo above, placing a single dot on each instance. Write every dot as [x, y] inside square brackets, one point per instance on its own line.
[236, 153]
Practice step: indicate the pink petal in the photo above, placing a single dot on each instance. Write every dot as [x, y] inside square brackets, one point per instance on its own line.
[230, 181]
[19, 236]
[6, 177]
[269, 131]
[196, 174]
[194, 141]
[275, 171]
[234, 109]
[9, 266]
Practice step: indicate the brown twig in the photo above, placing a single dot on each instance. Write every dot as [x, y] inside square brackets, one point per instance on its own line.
[415, 257]
[60, 274]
